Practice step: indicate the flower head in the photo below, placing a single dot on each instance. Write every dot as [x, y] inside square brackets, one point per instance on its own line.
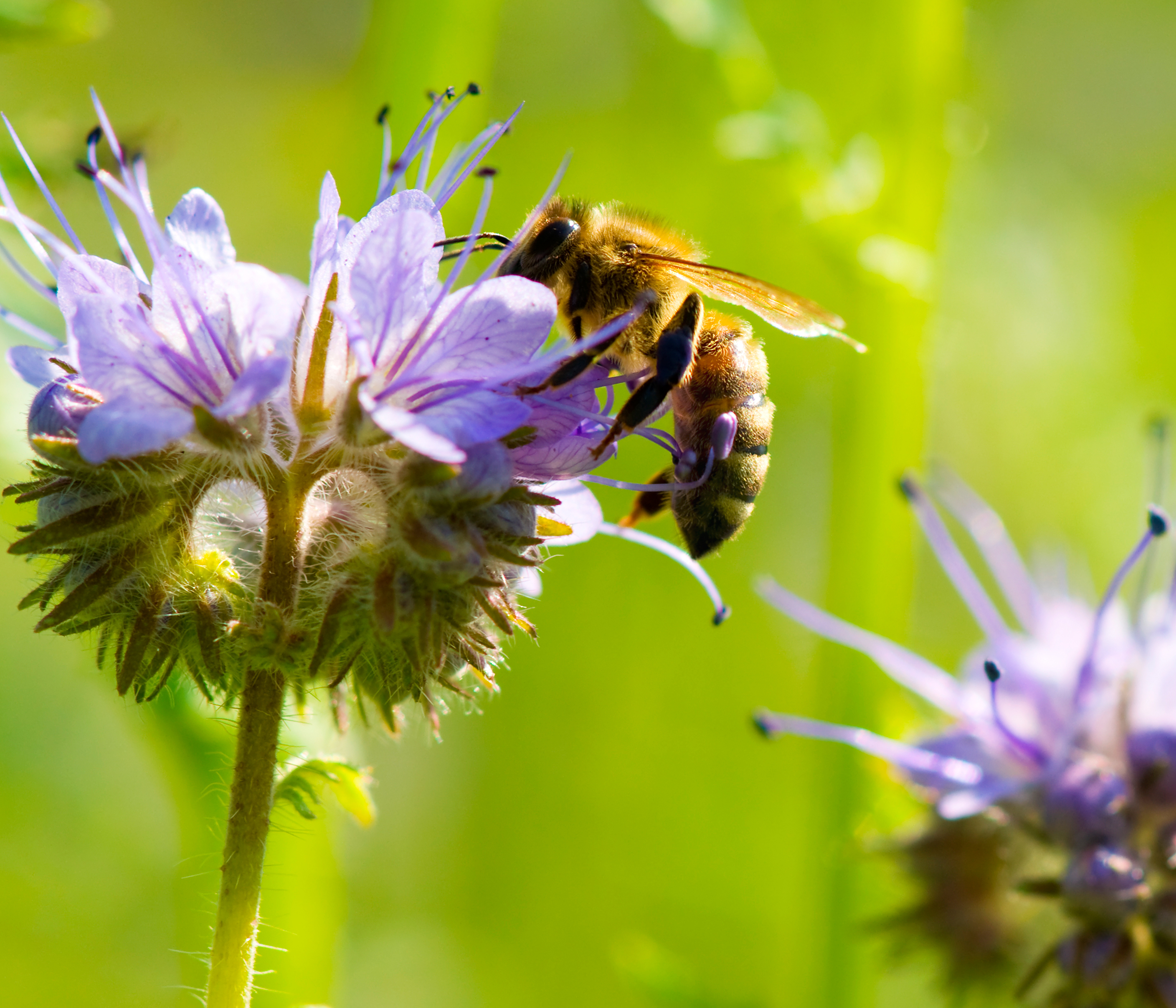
[1061, 733]
[337, 479]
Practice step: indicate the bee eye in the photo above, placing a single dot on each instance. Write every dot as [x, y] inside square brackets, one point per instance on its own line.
[629, 247]
[551, 237]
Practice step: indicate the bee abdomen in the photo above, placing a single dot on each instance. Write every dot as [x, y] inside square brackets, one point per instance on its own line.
[730, 374]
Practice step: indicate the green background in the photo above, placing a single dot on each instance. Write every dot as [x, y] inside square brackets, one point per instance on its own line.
[988, 195]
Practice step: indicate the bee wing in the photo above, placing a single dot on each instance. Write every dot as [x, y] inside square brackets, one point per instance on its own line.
[776, 306]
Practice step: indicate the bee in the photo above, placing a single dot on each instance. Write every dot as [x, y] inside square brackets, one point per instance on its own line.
[601, 260]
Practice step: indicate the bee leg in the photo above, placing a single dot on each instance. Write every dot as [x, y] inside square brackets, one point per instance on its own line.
[572, 368]
[675, 352]
[650, 503]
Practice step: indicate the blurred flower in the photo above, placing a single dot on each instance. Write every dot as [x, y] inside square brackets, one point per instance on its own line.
[1062, 736]
[337, 479]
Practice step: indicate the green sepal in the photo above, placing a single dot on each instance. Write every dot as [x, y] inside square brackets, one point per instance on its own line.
[135, 649]
[85, 522]
[94, 586]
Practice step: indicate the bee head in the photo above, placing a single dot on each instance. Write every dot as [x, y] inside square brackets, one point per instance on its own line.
[546, 248]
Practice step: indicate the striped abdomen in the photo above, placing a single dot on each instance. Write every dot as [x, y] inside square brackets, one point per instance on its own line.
[729, 373]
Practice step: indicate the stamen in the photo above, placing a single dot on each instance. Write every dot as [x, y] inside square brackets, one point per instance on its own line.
[999, 552]
[55, 244]
[1028, 749]
[663, 487]
[911, 757]
[17, 218]
[1157, 525]
[477, 159]
[678, 556]
[29, 329]
[953, 562]
[386, 157]
[46, 292]
[57, 212]
[531, 217]
[119, 234]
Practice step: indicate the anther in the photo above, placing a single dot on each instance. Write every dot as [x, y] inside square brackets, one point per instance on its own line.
[486, 172]
[94, 136]
[450, 92]
[1157, 520]
[473, 88]
[908, 488]
[382, 115]
[992, 670]
[85, 169]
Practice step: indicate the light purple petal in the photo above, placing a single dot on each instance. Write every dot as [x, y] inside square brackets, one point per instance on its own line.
[474, 416]
[406, 428]
[905, 667]
[970, 802]
[483, 328]
[263, 379]
[86, 276]
[126, 427]
[32, 364]
[906, 756]
[388, 269]
[198, 225]
[578, 508]
[263, 309]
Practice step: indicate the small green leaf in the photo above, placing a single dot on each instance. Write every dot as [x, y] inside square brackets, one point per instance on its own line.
[305, 778]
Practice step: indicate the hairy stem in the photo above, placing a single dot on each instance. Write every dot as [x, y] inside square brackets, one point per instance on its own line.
[234, 945]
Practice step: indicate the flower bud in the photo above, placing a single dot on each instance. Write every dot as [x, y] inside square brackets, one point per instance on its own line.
[1104, 884]
[1085, 802]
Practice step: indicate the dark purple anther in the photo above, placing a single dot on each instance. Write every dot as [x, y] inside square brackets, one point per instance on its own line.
[1084, 804]
[1104, 884]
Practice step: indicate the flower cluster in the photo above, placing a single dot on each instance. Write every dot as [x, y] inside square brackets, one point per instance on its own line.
[335, 479]
[1056, 777]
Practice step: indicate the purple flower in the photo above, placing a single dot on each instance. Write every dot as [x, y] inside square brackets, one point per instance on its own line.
[1028, 703]
[1064, 731]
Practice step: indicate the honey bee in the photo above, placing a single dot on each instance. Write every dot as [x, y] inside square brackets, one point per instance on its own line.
[601, 260]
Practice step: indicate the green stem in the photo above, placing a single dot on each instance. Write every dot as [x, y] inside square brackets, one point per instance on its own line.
[234, 945]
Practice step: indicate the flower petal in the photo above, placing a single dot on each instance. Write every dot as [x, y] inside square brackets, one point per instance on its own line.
[263, 379]
[578, 508]
[480, 329]
[406, 428]
[32, 364]
[127, 426]
[388, 270]
[198, 225]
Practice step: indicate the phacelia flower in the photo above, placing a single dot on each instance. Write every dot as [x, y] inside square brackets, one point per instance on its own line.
[1054, 776]
[335, 479]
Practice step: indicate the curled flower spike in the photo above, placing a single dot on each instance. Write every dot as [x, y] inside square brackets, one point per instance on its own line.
[1062, 733]
[280, 489]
